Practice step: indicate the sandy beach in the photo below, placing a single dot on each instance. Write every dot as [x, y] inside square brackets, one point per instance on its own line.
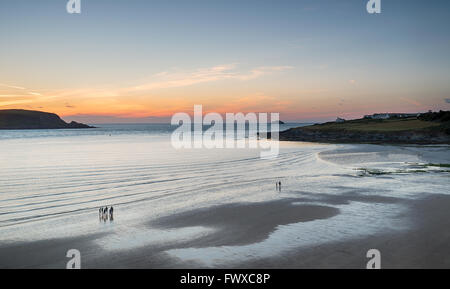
[425, 245]
[221, 209]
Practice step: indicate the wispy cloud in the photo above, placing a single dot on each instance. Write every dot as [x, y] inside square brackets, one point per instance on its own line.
[13, 102]
[12, 86]
[171, 79]
[139, 98]
[16, 95]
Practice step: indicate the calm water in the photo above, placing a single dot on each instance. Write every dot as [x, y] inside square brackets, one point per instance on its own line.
[49, 173]
[53, 181]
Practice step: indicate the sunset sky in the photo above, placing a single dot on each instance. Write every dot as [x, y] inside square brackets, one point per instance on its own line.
[309, 60]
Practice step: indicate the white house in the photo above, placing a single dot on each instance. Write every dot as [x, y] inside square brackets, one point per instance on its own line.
[389, 115]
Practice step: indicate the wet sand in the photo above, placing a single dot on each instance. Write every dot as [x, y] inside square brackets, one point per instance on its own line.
[241, 224]
[235, 224]
[425, 245]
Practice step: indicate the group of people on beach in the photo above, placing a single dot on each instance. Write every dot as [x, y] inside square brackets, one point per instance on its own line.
[278, 186]
[105, 213]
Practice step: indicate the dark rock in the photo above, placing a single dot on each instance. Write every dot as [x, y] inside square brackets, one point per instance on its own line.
[401, 137]
[29, 119]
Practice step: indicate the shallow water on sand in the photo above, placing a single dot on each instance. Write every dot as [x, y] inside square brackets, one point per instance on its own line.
[53, 182]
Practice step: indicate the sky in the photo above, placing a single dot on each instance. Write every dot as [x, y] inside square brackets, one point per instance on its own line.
[144, 60]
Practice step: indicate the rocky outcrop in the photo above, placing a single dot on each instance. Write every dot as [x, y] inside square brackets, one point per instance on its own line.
[29, 119]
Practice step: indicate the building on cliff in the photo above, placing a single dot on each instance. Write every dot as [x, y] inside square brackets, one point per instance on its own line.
[391, 115]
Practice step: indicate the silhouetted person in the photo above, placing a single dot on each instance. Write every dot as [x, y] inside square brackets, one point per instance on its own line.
[276, 185]
[279, 186]
[111, 212]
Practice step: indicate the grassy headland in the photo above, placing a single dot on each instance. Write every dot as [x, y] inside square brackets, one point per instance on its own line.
[428, 128]
[29, 119]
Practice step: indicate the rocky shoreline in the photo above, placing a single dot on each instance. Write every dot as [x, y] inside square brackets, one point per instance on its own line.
[397, 137]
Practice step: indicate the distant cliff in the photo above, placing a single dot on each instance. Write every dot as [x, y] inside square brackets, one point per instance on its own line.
[29, 119]
[430, 128]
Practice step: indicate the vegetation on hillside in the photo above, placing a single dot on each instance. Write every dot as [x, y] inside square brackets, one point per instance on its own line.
[428, 128]
[427, 121]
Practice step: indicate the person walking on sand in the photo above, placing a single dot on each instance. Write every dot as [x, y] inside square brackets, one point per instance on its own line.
[111, 211]
[276, 186]
[100, 212]
[279, 186]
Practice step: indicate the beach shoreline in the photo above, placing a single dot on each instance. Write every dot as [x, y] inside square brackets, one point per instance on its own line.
[424, 245]
[326, 220]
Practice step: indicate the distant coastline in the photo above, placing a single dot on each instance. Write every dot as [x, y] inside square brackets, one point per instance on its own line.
[427, 128]
[12, 119]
